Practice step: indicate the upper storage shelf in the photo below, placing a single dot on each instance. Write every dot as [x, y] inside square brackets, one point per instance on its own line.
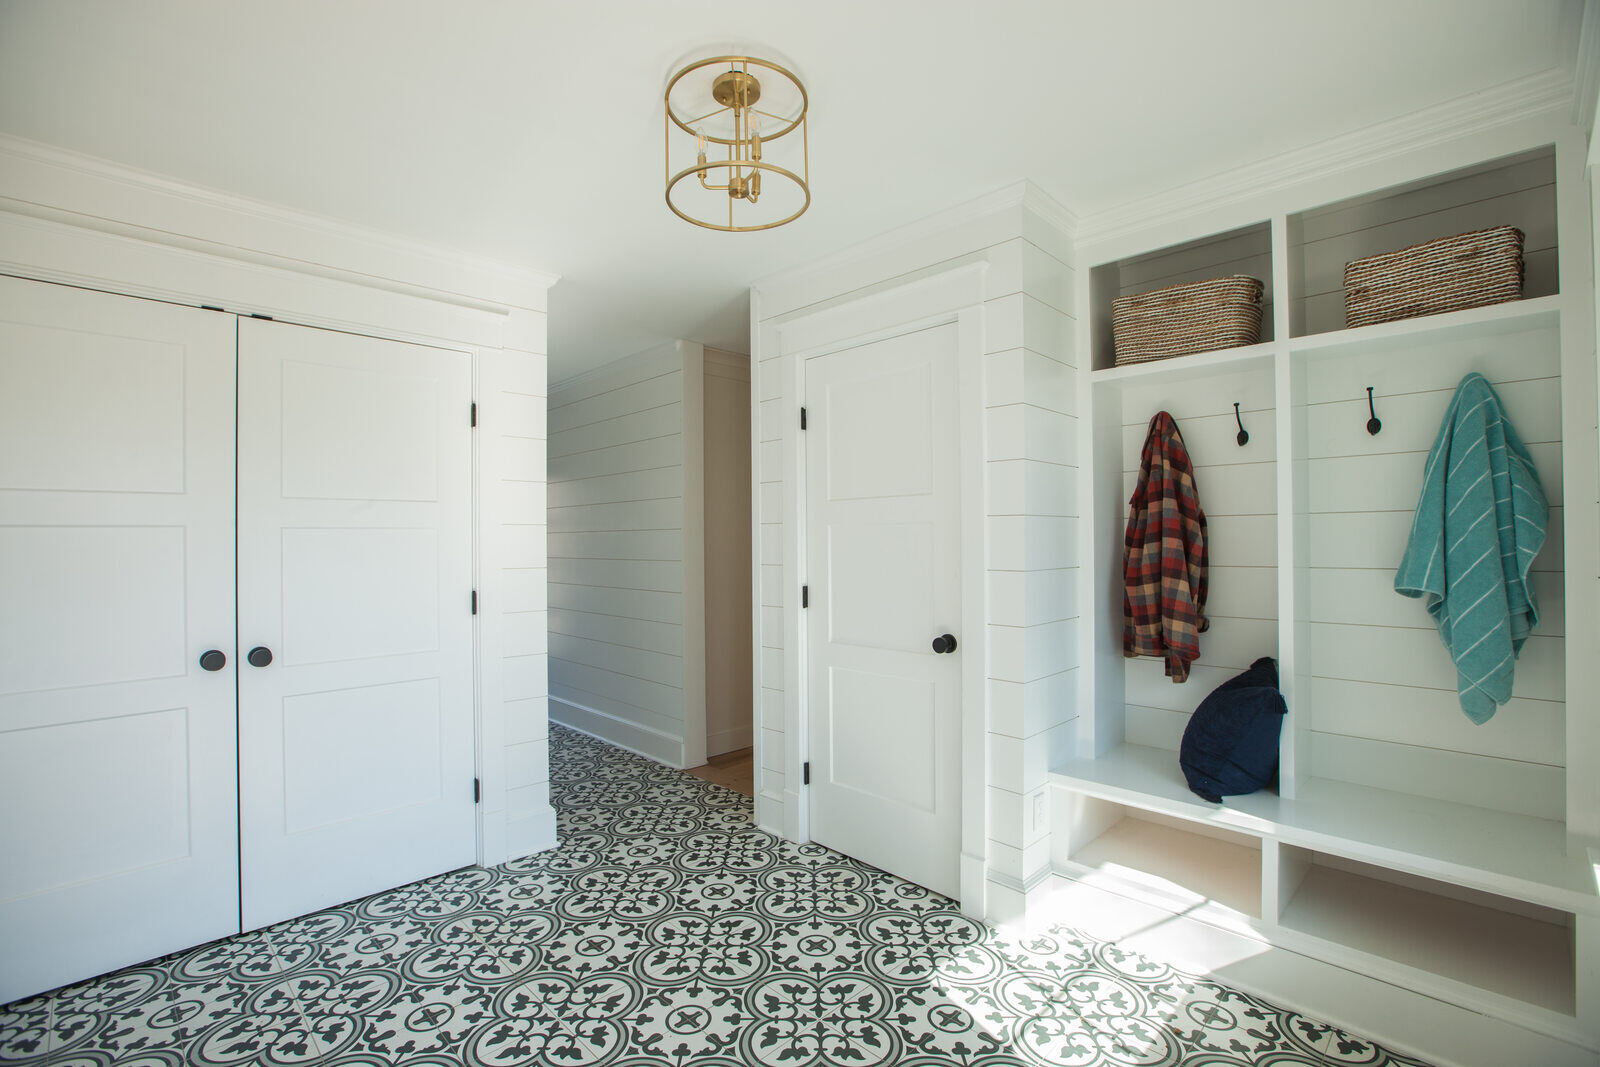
[1515, 191]
[1246, 251]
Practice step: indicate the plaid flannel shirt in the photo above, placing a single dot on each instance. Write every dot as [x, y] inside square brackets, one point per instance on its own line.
[1164, 555]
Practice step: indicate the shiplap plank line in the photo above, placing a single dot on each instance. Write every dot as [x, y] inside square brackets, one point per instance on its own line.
[621, 430]
[618, 402]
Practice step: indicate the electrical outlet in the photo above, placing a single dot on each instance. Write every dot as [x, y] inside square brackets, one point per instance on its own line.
[1038, 810]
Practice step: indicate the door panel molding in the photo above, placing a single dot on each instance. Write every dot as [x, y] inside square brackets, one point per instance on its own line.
[117, 750]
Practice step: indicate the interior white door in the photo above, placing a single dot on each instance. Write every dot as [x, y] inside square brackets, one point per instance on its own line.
[119, 839]
[883, 547]
[355, 574]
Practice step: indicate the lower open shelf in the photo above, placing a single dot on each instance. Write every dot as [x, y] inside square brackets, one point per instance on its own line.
[1386, 885]
[1517, 856]
[1222, 867]
[1524, 953]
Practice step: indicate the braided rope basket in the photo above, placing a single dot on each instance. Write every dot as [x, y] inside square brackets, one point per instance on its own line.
[1449, 274]
[1182, 319]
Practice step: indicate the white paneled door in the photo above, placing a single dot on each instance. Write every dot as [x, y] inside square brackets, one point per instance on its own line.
[356, 739]
[118, 838]
[883, 547]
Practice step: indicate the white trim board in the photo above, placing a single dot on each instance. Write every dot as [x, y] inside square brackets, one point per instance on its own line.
[50, 182]
[956, 297]
[930, 242]
[1547, 94]
[637, 739]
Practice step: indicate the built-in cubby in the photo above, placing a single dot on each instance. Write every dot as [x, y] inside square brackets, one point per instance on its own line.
[1518, 191]
[1239, 486]
[1485, 942]
[1401, 839]
[1189, 862]
[1246, 250]
[1379, 706]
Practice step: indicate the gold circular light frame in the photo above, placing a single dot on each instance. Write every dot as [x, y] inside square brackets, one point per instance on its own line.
[727, 113]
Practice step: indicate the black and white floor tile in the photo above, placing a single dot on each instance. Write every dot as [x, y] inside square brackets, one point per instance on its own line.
[666, 930]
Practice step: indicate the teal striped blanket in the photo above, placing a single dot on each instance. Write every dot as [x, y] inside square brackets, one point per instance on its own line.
[1479, 524]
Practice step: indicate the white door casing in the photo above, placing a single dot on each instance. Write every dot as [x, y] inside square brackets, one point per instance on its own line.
[355, 571]
[883, 539]
[117, 751]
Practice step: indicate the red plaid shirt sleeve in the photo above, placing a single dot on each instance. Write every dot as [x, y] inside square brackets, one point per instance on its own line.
[1164, 559]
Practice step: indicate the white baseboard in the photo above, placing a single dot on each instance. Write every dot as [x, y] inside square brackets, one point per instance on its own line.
[492, 842]
[769, 813]
[530, 833]
[729, 740]
[663, 748]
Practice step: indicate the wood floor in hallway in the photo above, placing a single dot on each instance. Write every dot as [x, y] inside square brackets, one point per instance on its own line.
[734, 770]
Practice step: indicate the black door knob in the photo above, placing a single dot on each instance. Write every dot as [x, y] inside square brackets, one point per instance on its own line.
[213, 659]
[260, 656]
[944, 643]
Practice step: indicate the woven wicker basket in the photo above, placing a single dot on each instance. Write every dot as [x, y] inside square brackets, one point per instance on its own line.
[1192, 317]
[1465, 271]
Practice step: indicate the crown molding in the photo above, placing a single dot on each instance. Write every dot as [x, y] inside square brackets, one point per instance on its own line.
[1513, 101]
[1048, 208]
[1586, 69]
[733, 361]
[1024, 194]
[49, 182]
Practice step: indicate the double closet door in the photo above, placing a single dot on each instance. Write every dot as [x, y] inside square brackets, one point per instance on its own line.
[235, 632]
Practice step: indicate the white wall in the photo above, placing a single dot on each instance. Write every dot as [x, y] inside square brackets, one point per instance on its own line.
[626, 563]
[511, 432]
[729, 716]
[1022, 241]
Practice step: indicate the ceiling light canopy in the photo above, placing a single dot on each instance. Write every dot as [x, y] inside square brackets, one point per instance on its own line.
[732, 121]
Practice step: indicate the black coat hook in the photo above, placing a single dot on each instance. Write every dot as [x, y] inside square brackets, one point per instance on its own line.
[1373, 424]
[1244, 435]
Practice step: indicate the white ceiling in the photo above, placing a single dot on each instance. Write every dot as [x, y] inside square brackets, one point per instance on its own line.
[530, 130]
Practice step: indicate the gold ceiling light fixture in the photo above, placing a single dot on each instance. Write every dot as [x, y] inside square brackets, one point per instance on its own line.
[727, 119]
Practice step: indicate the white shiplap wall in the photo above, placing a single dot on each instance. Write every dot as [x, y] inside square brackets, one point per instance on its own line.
[1030, 386]
[512, 419]
[1383, 702]
[619, 498]
[1237, 489]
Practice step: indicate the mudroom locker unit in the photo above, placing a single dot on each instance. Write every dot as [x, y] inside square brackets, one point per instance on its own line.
[271, 611]
[1399, 839]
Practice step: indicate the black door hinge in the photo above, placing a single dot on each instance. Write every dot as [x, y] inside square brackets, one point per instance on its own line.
[805, 596]
[474, 601]
[477, 791]
[805, 773]
[474, 413]
[802, 418]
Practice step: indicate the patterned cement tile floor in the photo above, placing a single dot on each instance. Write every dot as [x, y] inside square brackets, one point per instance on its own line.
[665, 930]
